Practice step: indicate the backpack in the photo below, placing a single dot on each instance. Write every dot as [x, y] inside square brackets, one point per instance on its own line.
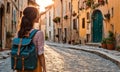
[23, 53]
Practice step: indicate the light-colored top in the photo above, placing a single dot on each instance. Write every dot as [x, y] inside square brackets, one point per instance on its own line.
[38, 40]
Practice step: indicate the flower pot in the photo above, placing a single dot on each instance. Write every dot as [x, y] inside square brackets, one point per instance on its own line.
[104, 45]
[110, 46]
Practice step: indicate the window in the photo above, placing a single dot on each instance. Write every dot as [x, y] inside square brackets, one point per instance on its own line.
[112, 10]
[74, 23]
[49, 19]
[69, 6]
[8, 7]
[83, 23]
[49, 34]
[78, 6]
[88, 15]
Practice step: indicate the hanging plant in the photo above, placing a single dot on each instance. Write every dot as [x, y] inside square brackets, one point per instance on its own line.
[66, 17]
[56, 20]
[74, 14]
[57, 36]
[89, 3]
[107, 16]
[81, 8]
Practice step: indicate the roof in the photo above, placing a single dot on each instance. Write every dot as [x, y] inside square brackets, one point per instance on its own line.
[42, 13]
[49, 6]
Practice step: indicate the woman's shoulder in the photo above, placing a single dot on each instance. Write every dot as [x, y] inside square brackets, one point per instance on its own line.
[39, 33]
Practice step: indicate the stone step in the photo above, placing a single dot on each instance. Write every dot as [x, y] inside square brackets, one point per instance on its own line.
[94, 44]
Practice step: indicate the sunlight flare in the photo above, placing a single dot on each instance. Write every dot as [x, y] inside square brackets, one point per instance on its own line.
[43, 4]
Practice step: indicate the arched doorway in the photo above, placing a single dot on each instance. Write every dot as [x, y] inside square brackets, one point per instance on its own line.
[97, 26]
[1, 24]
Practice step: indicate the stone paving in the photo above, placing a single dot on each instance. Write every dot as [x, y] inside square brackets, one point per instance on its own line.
[58, 62]
[54, 61]
[70, 60]
[112, 55]
[5, 61]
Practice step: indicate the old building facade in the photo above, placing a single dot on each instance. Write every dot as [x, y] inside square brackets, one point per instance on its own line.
[49, 22]
[89, 21]
[97, 18]
[62, 21]
[43, 23]
[75, 21]
[10, 13]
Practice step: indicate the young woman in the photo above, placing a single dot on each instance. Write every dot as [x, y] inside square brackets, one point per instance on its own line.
[31, 16]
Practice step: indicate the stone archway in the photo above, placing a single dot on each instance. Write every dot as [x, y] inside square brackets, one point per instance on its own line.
[97, 26]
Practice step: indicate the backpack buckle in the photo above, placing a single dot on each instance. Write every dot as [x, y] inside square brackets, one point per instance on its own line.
[15, 63]
[23, 63]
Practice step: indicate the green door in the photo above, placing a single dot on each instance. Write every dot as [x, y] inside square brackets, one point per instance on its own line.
[97, 26]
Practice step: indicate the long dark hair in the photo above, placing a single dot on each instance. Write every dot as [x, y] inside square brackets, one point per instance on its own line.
[28, 19]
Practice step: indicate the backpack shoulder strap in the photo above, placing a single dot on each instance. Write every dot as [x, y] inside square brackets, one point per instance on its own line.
[33, 33]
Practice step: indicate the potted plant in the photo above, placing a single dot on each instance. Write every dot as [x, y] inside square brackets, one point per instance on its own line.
[88, 3]
[9, 35]
[57, 36]
[46, 37]
[107, 16]
[103, 43]
[118, 48]
[74, 14]
[66, 17]
[56, 20]
[81, 8]
[110, 44]
[110, 41]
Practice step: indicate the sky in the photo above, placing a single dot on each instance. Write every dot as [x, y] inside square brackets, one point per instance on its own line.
[43, 4]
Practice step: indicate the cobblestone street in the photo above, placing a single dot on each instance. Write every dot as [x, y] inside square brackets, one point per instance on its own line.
[60, 59]
[69, 60]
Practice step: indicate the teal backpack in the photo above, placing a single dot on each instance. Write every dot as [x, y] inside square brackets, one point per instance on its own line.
[23, 53]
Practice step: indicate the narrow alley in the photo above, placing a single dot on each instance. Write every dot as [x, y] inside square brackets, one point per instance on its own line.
[63, 59]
